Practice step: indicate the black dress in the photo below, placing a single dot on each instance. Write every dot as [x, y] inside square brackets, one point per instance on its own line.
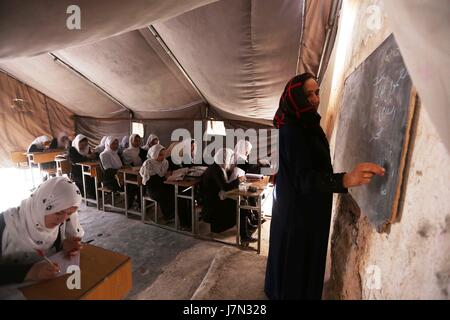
[163, 194]
[301, 214]
[77, 175]
[221, 214]
[143, 154]
[54, 144]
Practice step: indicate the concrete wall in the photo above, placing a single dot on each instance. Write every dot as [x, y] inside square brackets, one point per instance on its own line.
[411, 260]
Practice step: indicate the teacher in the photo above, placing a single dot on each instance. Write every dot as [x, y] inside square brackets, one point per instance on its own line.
[303, 195]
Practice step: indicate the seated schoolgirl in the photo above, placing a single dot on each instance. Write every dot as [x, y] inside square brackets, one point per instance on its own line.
[46, 221]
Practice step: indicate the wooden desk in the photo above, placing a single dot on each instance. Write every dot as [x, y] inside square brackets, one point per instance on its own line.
[45, 156]
[40, 158]
[105, 275]
[19, 158]
[238, 194]
[91, 169]
[189, 184]
[132, 176]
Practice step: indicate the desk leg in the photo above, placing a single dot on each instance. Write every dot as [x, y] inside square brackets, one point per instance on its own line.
[238, 221]
[84, 185]
[32, 175]
[96, 193]
[141, 193]
[176, 207]
[194, 220]
[259, 224]
[126, 195]
[40, 172]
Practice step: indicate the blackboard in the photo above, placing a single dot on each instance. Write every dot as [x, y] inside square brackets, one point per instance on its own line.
[374, 126]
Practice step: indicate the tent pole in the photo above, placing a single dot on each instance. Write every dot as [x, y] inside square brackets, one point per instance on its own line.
[177, 63]
[78, 73]
[300, 50]
[329, 40]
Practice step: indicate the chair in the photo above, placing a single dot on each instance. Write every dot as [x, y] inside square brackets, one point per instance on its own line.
[144, 208]
[105, 190]
[63, 166]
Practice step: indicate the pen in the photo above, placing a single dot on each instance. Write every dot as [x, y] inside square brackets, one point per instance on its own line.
[42, 254]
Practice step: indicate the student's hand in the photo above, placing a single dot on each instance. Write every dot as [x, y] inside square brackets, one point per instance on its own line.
[362, 174]
[72, 246]
[42, 271]
[242, 179]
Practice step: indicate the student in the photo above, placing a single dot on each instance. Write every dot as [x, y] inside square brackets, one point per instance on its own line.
[185, 159]
[134, 155]
[46, 221]
[220, 212]
[151, 141]
[154, 172]
[241, 153]
[40, 144]
[101, 147]
[62, 141]
[303, 195]
[111, 162]
[124, 143]
[80, 152]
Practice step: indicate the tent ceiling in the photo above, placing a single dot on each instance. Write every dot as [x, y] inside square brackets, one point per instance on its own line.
[30, 28]
[239, 54]
[129, 68]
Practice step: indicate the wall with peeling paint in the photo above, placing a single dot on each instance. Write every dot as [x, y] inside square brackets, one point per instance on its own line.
[411, 260]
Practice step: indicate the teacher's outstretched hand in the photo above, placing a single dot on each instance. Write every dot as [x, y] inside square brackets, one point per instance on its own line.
[362, 174]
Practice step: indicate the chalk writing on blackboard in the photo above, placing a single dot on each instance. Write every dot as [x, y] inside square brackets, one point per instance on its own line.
[373, 126]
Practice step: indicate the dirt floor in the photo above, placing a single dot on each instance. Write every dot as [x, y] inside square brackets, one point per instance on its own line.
[169, 265]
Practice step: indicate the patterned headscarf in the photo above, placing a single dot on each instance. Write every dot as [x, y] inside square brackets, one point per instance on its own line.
[294, 107]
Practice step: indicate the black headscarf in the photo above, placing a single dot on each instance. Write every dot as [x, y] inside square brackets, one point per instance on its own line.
[294, 107]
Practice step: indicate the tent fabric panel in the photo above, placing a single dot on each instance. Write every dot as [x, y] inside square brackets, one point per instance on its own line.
[247, 52]
[128, 68]
[316, 20]
[19, 128]
[56, 81]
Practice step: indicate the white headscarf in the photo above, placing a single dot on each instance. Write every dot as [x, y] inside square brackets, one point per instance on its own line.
[224, 158]
[101, 147]
[25, 229]
[151, 166]
[76, 145]
[124, 143]
[110, 159]
[151, 137]
[59, 138]
[130, 155]
[39, 141]
[241, 151]
[179, 155]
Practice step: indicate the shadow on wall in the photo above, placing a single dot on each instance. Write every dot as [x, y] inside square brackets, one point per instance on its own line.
[350, 239]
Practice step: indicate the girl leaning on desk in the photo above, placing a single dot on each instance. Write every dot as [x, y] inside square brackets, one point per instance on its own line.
[46, 221]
